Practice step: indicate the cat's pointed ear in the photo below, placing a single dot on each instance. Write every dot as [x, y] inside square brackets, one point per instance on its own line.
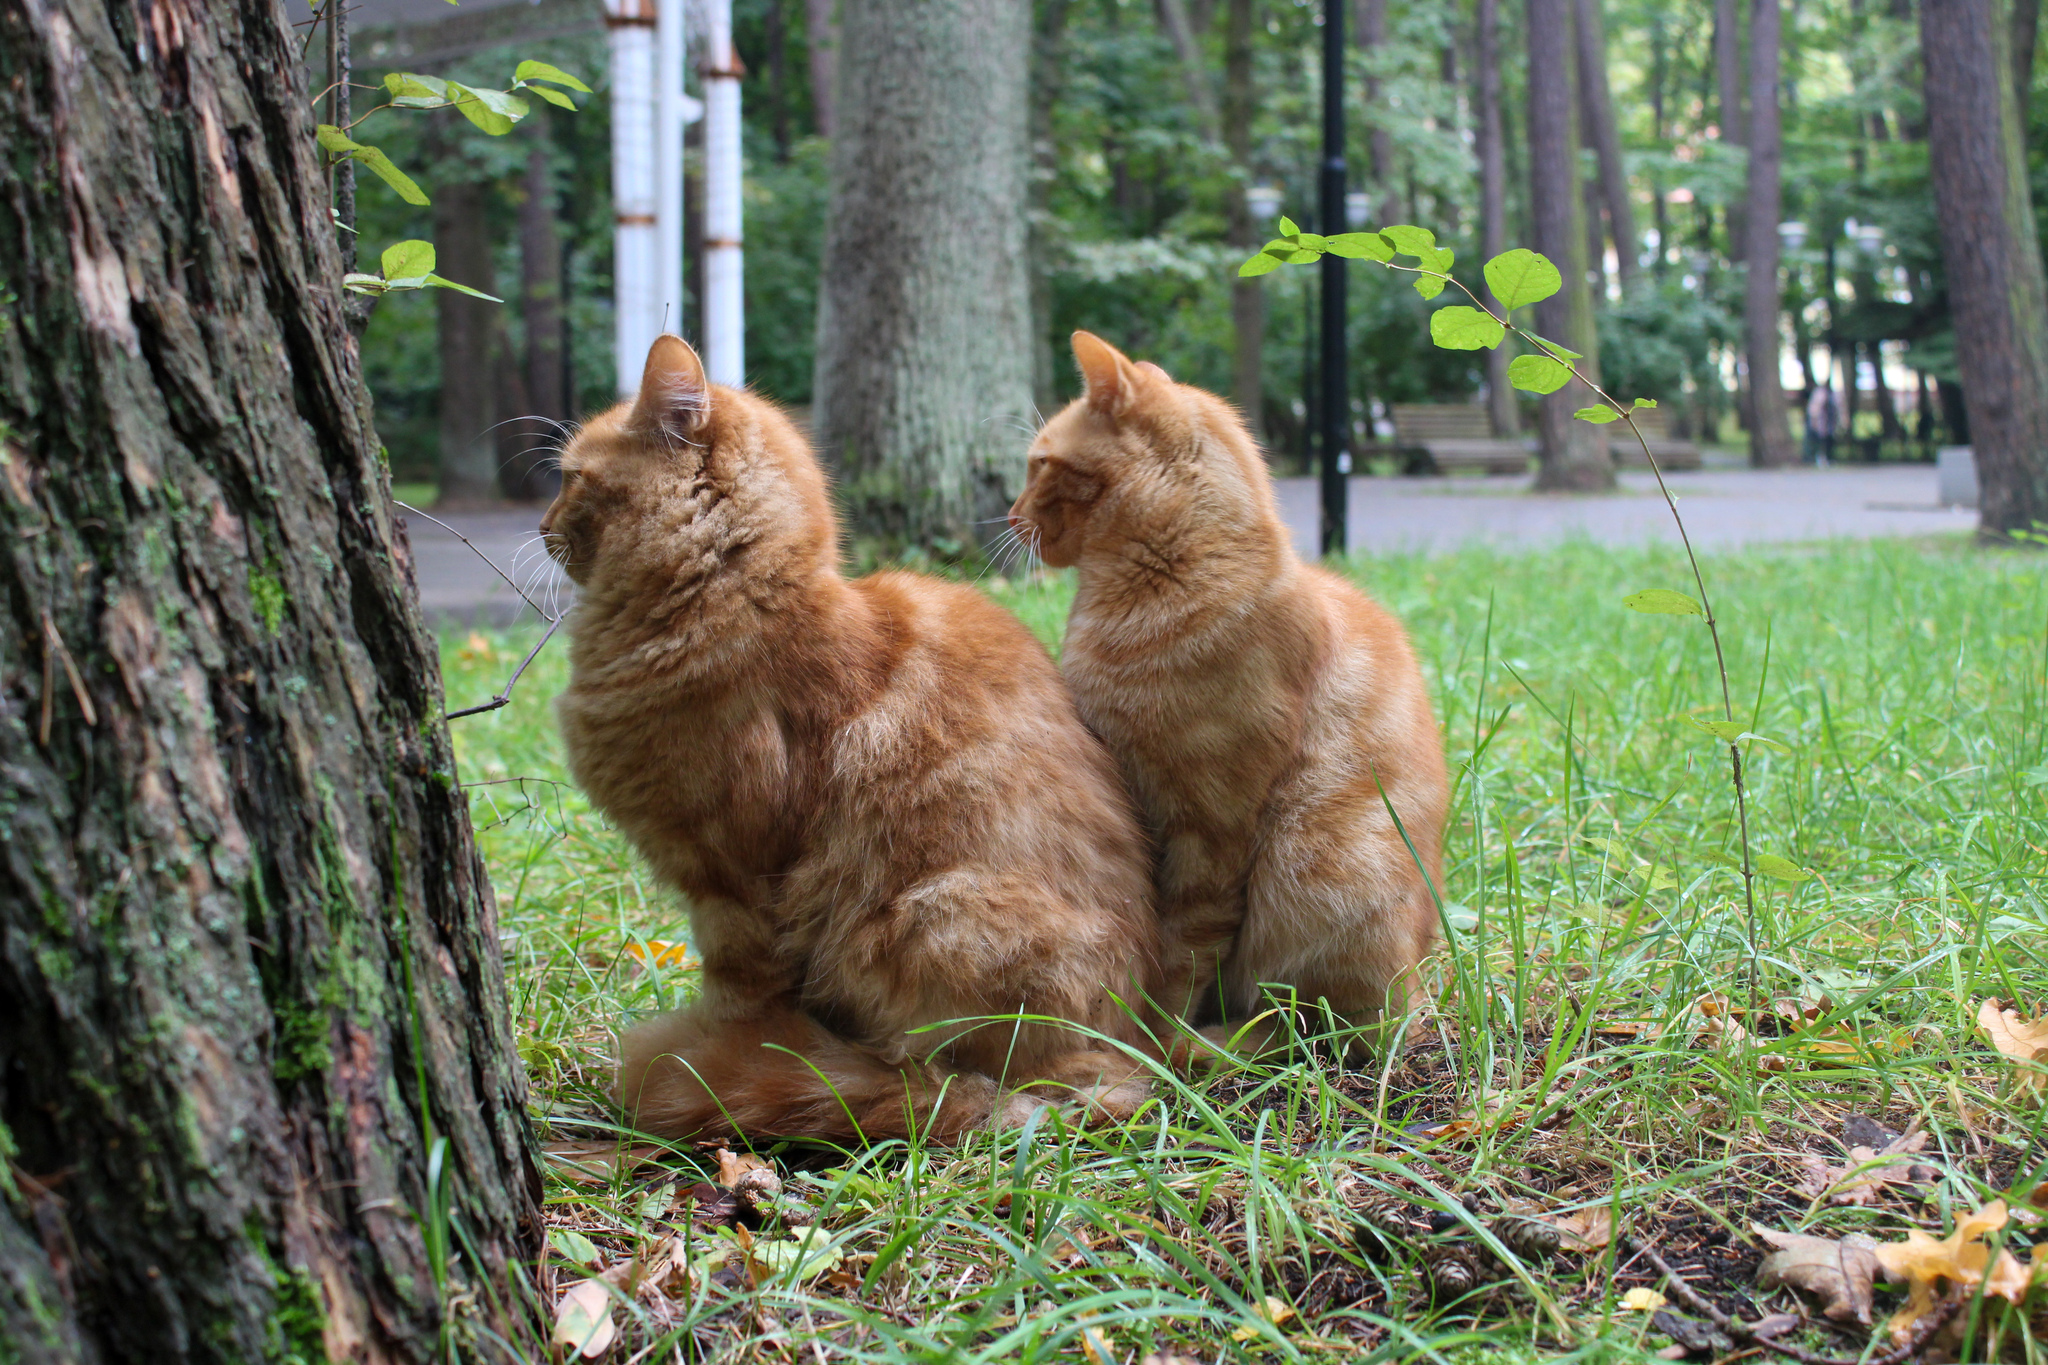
[1111, 378]
[674, 396]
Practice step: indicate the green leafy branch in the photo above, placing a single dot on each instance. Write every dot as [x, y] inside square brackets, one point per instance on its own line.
[494, 111]
[1517, 279]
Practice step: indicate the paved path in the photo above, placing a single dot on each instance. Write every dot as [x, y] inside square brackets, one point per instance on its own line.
[1722, 507]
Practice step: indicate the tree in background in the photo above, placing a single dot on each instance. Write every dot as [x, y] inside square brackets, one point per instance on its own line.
[1992, 246]
[1574, 453]
[1770, 439]
[924, 315]
[1491, 144]
[1596, 113]
[259, 1093]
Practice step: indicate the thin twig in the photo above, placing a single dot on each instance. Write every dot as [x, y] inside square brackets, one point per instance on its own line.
[480, 555]
[505, 697]
[1923, 1331]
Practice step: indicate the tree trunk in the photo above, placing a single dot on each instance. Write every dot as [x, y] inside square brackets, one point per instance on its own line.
[468, 411]
[1993, 256]
[924, 346]
[249, 977]
[1048, 80]
[1180, 35]
[1596, 102]
[1247, 297]
[1493, 201]
[821, 36]
[1734, 120]
[1379, 145]
[1770, 436]
[528, 472]
[1575, 457]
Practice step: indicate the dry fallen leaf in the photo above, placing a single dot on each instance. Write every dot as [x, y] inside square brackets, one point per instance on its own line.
[1923, 1261]
[583, 1318]
[1840, 1274]
[1585, 1229]
[1279, 1312]
[1868, 1173]
[661, 953]
[733, 1165]
[1641, 1300]
[2024, 1041]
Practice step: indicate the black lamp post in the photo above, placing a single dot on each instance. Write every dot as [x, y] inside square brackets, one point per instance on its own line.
[1336, 399]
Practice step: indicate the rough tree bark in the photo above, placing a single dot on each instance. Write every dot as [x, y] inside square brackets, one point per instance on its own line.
[924, 347]
[1575, 457]
[249, 973]
[1596, 103]
[1247, 297]
[1493, 200]
[1992, 254]
[1770, 435]
[465, 329]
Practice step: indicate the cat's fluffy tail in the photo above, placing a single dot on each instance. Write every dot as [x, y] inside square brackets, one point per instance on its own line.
[685, 1076]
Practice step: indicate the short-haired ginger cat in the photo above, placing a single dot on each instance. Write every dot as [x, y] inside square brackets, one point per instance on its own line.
[876, 796]
[1266, 713]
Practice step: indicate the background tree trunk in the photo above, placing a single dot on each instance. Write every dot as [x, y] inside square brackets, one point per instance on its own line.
[1596, 102]
[1734, 119]
[1194, 72]
[529, 474]
[1993, 256]
[1770, 436]
[249, 973]
[468, 411]
[1493, 200]
[1048, 79]
[821, 36]
[1247, 297]
[1575, 454]
[924, 346]
[1372, 39]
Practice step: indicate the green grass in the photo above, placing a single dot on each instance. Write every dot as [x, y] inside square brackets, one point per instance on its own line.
[1590, 904]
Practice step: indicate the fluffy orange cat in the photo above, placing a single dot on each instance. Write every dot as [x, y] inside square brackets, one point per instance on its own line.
[1259, 706]
[876, 795]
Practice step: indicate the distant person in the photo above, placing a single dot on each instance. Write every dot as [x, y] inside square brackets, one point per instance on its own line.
[1823, 417]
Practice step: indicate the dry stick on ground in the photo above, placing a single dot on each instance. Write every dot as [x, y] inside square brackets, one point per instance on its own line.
[503, 698]
[1747, 1333]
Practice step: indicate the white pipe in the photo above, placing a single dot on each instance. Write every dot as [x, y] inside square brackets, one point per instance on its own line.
[636, 305]
[668, 164]
[725, 356]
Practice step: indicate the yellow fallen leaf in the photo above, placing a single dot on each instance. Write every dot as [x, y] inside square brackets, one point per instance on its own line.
[477, 650]
[660, 953]
[1584, 1230]
[1641, 1300]
[1279, 1312]
[2024, 1041]
[583, 1319]
[1095, 1348]
[1961, 1258]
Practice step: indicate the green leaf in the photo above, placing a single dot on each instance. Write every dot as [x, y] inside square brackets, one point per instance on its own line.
[380, 166]
[1521, 277]
[1784, 869]
[1731, 732]
[1410, 241]
[1261, 264]
[1313, 241]
[439, 282]
[1538, 374]
[363, 284]
[1560, 352]
[1661, 602]
[554, 97]
[408, 260]
[1353, 246]
[413, 91]
[1429, 286]
[491, 110]
[332, 139]
[1439, 259]
[574, 1247]
[1643, 403]
[541, 71]
[1465, 329]
[1599, 415]
[1287, 227]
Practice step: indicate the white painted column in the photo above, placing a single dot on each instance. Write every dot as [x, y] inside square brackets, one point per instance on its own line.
[725, 356]
[636, 283]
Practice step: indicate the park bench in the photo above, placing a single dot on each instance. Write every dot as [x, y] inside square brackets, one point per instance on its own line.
[1671, 452]
[1457, 436]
